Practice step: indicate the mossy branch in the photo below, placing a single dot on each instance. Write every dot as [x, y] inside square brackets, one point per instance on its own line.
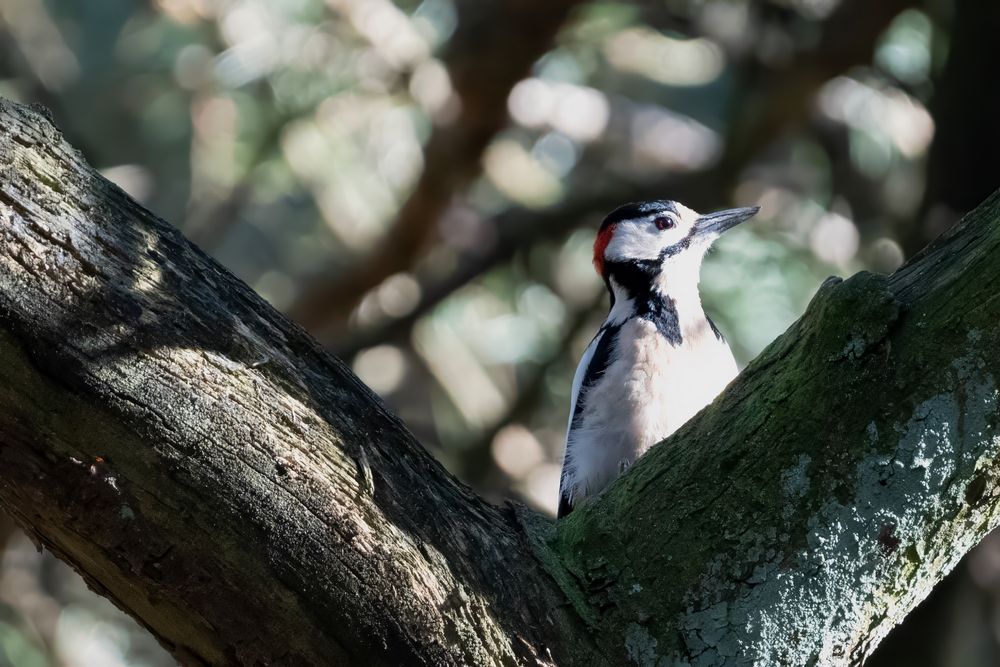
[204, 464]
[819, 499]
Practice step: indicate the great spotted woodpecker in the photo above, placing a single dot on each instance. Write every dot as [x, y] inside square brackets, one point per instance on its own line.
[658, 359]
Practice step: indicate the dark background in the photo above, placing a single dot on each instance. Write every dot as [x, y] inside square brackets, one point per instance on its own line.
[354, 162]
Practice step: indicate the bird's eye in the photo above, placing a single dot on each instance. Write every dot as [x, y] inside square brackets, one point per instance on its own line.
[664, 223]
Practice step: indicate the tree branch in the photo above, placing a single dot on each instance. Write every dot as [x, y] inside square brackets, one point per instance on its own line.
[203, 463]
[819, 499]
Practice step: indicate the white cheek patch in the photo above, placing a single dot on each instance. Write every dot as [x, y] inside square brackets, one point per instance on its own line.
[632, 241]
[642, 240]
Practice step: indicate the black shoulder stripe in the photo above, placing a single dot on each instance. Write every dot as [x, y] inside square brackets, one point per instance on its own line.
[661, 311]
[597, 366]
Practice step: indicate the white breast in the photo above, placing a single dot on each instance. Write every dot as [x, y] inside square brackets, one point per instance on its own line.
[648, 391]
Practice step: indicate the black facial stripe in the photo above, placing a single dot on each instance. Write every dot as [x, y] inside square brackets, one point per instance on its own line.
[678, 247]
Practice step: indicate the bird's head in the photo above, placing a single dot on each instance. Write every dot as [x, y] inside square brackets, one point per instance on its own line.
[651, 238]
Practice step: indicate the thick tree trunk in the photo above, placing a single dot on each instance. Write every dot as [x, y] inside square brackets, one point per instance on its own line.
[819, 499]
[205, 465]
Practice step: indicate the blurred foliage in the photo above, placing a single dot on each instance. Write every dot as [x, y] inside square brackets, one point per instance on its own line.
[285, 139]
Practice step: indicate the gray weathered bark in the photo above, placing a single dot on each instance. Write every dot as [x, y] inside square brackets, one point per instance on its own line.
[203, 463]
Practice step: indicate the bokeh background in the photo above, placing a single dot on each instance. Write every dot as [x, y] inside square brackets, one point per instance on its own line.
[418, 183]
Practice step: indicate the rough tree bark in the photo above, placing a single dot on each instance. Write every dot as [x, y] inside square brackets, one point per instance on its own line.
[204, 464]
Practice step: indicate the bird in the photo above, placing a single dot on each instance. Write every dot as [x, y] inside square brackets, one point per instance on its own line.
[658, 359]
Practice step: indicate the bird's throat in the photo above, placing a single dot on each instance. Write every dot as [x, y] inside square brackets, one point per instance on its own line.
[673, 308]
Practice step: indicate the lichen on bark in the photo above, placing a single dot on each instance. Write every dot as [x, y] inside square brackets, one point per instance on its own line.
[802, 514]
[203, 463]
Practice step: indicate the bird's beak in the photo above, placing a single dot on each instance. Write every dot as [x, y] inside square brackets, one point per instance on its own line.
[720, 221]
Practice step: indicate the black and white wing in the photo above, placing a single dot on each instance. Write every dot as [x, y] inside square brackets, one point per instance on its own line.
[591, 368]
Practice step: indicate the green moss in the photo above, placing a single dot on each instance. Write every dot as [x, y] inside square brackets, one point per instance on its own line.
[540, 533]
[803, 494]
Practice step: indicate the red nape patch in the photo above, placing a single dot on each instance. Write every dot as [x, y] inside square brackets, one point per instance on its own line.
[600, 245]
